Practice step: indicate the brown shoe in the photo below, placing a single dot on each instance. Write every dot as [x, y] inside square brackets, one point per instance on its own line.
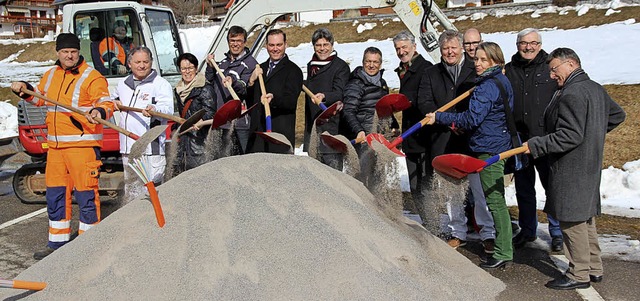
[455, 242]
[489, 245]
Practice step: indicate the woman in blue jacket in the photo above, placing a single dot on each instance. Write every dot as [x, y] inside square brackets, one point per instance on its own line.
[486, 122]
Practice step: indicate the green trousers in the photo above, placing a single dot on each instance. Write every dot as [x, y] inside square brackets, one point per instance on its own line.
[493, 187]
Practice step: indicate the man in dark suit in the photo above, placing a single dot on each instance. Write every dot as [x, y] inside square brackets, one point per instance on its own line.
[327, 74]
[454, 75]
[283, 82]
[410, 72]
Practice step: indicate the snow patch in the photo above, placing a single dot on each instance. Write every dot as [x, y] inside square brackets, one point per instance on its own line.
[365, 26]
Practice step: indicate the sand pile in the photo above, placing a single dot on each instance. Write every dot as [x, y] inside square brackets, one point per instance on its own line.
[259, 227]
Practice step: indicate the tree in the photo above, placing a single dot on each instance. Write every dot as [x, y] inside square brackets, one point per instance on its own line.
[184, 8]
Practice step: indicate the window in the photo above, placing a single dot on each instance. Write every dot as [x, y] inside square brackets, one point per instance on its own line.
[165, 36]
[106, 37]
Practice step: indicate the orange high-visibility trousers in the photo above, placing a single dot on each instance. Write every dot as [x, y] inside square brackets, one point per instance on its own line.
[67, 168]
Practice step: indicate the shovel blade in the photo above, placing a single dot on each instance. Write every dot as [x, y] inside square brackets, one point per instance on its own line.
[335, 142]
[191, 121]
[380, 139]
[457, 165]
[140, 146]
[391, 103]
[275, 138]
[328, 113]
[228, 112]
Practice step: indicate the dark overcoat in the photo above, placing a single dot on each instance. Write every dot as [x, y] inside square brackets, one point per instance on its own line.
[576, 120]
[285, 83]
[437, 89]
[532, 91]
[410, 87]
[330, 80]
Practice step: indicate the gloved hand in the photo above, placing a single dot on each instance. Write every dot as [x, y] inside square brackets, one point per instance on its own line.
[122, 69]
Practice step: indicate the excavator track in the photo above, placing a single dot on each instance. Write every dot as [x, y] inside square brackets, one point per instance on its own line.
[28, 186]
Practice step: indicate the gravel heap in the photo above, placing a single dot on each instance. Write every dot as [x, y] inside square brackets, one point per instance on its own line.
[258, 227]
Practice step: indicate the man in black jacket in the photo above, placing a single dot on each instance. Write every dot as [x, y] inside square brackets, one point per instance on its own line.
[283, 82]
[410, 72]
[237, 66]
[533, 88]
[365, 87]
[327, 74]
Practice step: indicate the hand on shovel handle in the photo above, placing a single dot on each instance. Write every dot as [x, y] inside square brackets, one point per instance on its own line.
[314, 98]
[222, 76]
[426, 120]
[78, 111]
[153, 113]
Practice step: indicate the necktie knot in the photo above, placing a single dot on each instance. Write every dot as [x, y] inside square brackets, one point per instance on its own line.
[271, 66]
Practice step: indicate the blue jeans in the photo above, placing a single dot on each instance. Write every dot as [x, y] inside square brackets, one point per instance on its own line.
[526, 195]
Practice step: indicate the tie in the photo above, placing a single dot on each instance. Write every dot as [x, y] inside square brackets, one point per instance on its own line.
[271, 65]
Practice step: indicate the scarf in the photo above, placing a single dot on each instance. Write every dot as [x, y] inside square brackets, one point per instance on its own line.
[184, 89]
[404, 67]
[454, 70]
[374, 79]
[316, 63]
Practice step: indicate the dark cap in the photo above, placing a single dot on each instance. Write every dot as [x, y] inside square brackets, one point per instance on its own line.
[67, 40]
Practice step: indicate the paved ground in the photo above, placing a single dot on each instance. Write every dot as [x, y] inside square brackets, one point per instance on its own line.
[525, 278]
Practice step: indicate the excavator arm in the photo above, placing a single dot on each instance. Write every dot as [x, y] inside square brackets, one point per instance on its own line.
[263, 14]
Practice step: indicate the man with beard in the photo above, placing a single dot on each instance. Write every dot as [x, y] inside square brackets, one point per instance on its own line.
[533, 88]
[237, 66]
[327, 76]
[283, 83]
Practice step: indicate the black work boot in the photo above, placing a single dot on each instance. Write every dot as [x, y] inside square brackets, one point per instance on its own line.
[43, 253]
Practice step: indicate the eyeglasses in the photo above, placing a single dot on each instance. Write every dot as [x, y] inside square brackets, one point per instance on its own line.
[524, 44]
[236, 41]
[188, 69]
[467, 44]
[554, 69]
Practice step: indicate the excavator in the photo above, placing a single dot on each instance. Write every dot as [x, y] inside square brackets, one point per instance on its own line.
[154, 27]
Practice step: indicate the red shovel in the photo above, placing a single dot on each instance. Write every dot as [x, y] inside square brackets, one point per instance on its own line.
[327, 112]
[275, 138]
[459, 166]
[391, 103]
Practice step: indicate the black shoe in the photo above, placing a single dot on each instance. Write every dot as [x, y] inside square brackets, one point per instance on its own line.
[520, 240]
[42, 254]
[566, 283]
[595, 279]
[556, 244]
[493, 263]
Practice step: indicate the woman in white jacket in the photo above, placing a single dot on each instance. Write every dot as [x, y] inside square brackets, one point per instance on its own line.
[146, 90]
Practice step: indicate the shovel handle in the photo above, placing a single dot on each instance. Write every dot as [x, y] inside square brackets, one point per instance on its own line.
[267, 110]
[21, 284]
[200, 124]
[78, 111]
[153, 113]
[314, 98]
[231, 91]
[505, 155]
[424, 121]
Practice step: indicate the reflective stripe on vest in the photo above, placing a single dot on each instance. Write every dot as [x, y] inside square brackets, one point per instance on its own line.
[48, 82]
[60, 109]
[75, 138]
[75, 97]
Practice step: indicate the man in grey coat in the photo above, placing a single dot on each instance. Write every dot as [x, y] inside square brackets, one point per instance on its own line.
[575, 122]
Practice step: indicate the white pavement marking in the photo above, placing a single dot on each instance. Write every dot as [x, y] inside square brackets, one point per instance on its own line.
[588, 294]
[24, 217]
